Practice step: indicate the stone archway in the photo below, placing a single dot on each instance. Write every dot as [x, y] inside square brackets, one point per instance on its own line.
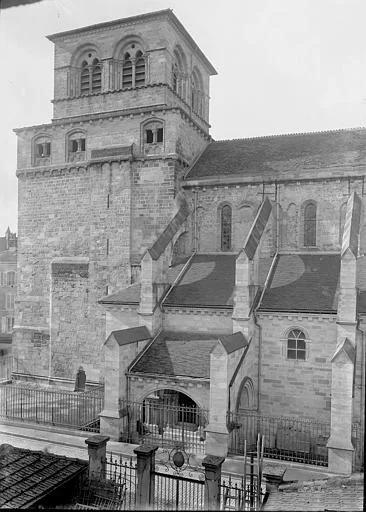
[245, 399]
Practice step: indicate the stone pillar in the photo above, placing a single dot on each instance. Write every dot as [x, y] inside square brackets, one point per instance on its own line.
[340, 448]
[145, 478]
[217, 434]
[97, 446]
[242, 300]
[212, 465]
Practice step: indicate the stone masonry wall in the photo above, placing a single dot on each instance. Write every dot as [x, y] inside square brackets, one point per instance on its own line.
[198, 320]
[291, 387]
[67, 215]
[141, 387]
[245, 199]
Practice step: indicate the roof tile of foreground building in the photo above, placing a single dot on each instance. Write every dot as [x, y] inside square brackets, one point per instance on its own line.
[233, 342]
[208, 281]
[339, 493]
[173, 353]
[303, 282]
[278, 154]
[26, 476]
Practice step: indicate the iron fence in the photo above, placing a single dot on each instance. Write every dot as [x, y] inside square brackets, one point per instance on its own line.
[358, 440]
[164, 425]
[285, 438]
[114, 490]
[63, 408]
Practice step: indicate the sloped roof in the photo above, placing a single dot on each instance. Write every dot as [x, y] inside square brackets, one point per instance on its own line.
[337, 494]
[303, 282]
[26, 477]
[174, 353]
[281, 154]
[233, 342]
[361, 284]
[131, 294]
[131, 335]
[8, 256]
[208, 281]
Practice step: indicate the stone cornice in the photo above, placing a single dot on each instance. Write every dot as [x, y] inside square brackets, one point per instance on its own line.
[166, 14]
[345, 173]
[191, 310]
[74, 168]
[321, 317]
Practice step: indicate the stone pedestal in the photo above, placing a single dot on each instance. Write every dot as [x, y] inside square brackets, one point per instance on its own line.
[340, 460]
[217, 440]
[110, 424]
[145, 477]
[212, 465]
[97, 447]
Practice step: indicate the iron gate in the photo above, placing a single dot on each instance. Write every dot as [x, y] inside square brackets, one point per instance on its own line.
[177, 484]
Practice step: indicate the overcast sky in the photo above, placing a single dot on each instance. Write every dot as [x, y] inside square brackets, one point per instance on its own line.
[283, 66]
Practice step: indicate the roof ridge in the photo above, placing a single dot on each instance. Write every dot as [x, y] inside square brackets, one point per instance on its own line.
[278, 135]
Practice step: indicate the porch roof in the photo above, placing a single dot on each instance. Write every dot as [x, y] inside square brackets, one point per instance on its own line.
[178, 354]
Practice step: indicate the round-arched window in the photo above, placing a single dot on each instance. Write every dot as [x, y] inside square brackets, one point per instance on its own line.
[296, 345]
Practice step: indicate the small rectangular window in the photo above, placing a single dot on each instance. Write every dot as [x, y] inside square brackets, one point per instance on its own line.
[10, 301]
[160, 135]
[149, 136]
[9, 323]
[82, 144]
[107, 246]
[40, 149]
[47, 151]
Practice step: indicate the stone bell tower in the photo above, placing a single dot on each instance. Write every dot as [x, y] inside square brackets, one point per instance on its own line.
[97, 184]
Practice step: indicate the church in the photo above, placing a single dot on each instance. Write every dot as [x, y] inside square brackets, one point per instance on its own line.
[228, 275]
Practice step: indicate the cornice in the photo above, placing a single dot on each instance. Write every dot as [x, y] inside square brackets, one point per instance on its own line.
[298, 316]
[192, 310]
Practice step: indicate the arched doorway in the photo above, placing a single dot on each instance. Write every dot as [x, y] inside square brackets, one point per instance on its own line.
[171, 418]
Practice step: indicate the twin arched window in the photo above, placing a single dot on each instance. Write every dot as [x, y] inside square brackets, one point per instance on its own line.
[133, 70]
[226, 223]
[91, 77]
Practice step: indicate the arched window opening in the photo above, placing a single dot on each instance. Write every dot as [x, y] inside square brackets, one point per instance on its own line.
[310, 225]
[296, 345]
[10, 278]
[153, 137]
[42, 151]
[127, 71]
[84, 78]
[139, 69]
[96, 79]
[76, 147]
[226, 221]
[175, 78]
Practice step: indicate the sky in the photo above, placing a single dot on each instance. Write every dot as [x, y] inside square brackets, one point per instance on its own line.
[284, 66]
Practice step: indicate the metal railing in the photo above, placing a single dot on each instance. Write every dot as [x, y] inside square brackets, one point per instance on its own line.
[358, 440]
[164, 425]
[114, 490]
[285, 438]
[248, 491]
[62, 408]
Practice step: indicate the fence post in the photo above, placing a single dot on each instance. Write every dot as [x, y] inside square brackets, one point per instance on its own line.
[145, 467]
[212, 465]
[97, 447]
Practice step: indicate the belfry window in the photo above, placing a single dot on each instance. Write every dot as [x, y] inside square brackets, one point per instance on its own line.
[226, 217]
[154, 133]
[127, 71]
[310, 225]
[139, 69]
[90, 77]
[44, 149]
[296, 345]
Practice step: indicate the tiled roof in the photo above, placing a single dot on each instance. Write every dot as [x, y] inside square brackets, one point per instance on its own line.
[127, 336]
[274, 155]
[303, 282]
[232, 342]
[208, 281]
[336, 494]
[172, 353]
[361, 284]
[131, 294]
[8, 256]
[26, 477]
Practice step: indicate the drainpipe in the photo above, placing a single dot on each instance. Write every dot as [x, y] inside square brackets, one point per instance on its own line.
[50, 327]
[277, 216]
[259, 358]
[195, 221]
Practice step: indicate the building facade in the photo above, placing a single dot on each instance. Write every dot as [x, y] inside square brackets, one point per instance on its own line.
[229, 272]
[8, 267]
